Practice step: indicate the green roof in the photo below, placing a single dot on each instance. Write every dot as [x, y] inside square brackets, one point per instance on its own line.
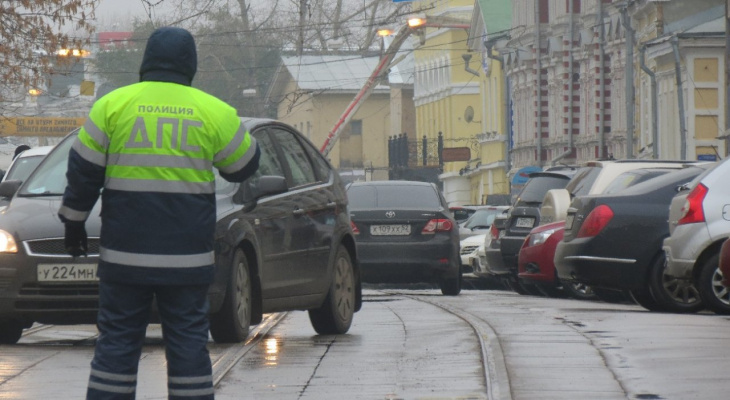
[497, 15]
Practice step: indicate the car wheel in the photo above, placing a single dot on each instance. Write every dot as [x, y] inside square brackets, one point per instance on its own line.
[715, 296]
[674, 295]
[645, 298]
[612, 296]
[451, 286]
[578, 291]
[231, 323]
[10, 331]
[335, 314]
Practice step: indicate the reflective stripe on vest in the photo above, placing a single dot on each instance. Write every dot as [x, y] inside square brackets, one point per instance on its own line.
[157, 260]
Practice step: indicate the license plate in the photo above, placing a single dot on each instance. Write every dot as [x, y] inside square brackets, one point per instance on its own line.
[524, 222]
[569, 221]
[383, 230]
[67, 273]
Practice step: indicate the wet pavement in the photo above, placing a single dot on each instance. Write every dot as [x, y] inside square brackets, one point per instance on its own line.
[417, 344]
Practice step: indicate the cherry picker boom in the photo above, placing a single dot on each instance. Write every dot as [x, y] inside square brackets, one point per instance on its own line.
[380, 70]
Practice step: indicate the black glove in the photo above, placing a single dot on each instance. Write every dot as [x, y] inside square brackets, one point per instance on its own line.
[75, 241]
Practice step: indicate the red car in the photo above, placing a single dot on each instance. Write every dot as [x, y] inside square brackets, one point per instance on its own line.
[725, 262]
[535, 265]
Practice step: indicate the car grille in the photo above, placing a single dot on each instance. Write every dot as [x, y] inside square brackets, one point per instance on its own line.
[56, 248]
[468, 249]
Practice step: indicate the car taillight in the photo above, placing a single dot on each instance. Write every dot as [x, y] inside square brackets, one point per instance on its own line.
[692, 211]
[355, 231]
[437, 225]
[596, 221]
[493, 232]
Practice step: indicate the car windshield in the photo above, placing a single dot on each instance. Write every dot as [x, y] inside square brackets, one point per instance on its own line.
[22, 167]
[536, 187]
[49, 179]
[363, 197]
[482, 218]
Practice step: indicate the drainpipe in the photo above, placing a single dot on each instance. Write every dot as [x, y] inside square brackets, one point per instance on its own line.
[654, 127]
[538, 66]
[630, 96]
[602, 85]
[488, 44]
[680, 100]
[570, 88]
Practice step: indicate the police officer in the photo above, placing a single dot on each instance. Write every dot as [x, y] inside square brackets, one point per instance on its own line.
[152, 147]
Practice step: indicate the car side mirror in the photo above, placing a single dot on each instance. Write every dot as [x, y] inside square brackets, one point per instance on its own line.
[9, 188]
[254, 189]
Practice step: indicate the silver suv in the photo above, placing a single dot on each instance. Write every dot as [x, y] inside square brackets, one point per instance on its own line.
[699, 222]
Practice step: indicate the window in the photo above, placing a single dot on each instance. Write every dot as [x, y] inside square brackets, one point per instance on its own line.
[356, 127]
[302, 172]
[268, 161]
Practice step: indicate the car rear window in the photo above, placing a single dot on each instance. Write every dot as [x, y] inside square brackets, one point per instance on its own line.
[536, 187]
[582, 182]
[375, 196]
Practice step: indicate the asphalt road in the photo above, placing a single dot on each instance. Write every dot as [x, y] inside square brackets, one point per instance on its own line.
[414, 343]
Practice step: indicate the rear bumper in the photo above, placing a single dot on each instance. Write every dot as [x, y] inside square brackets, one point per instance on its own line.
[495, 263]
[407, 262]
[598, 271]
[510, 247]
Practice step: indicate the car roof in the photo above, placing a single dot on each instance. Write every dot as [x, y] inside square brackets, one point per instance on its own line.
[391, 183]
[36, 151]
[562, 173]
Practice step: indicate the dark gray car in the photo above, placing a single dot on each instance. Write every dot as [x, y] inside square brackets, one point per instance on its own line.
[283, 242]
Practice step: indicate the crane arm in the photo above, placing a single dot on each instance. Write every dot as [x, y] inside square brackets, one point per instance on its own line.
[382, 68]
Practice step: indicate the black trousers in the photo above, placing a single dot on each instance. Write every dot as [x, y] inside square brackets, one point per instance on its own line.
[122, 322]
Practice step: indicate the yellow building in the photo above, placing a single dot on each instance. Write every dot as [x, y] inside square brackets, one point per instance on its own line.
[446, 95]
[311, 92]
[490, 23]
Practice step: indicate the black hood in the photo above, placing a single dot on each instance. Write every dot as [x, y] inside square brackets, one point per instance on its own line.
[170, 56]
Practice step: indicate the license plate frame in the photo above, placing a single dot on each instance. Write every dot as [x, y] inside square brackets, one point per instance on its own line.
[67, 273]
[390, 230]
[524, 222]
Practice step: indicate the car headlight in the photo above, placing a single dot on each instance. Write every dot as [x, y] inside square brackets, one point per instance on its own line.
[541, 237]
[7, 243]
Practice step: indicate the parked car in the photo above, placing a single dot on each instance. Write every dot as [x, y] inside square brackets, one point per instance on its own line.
[283, 242]
[25, 163]
[462, 213]
[536, 265]
[480, 222]
[468, 250]
[490, 265]
[699, 224]
[614, 242]
[522, 217]
[593, 178]
[405, 234]
[22, 166]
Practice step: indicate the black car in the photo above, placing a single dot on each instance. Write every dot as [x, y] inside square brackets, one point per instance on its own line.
[615, 241]
[283, 242]
[523, 216]
[405, 233]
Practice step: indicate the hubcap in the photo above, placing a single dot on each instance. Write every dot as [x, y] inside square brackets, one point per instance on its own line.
[244, 295]
[681, 290]
[721, 292]
[344, 290]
